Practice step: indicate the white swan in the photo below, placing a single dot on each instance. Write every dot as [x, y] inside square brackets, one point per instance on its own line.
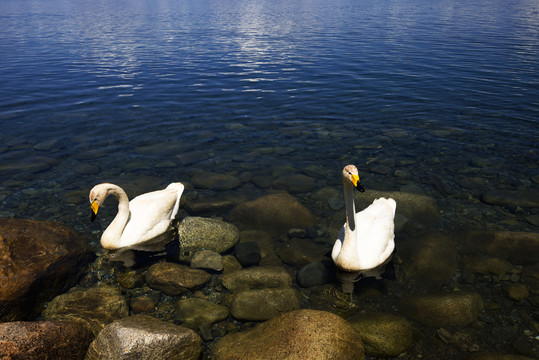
[146, 218]
[366, 240]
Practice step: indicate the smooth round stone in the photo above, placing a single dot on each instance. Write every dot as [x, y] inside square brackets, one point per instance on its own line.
[383, 335]
[515, 291]
[142, 304]
[195, 312]
[295, 183]
[175, 279]
[312, 274]
[207, 259]
[198, 233]
[257, 277]
[247, 253]
[214, 181]
[451, 309]
[263, 304]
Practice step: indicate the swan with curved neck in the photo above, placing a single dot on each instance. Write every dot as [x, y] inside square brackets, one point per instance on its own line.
[146, 218]
[366, 241]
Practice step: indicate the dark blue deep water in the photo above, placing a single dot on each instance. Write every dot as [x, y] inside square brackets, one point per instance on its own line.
[434, 97]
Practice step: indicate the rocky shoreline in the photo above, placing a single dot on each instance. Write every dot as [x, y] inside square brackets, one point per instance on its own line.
[260, 285]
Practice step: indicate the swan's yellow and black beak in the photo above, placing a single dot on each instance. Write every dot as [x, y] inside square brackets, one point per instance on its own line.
[95, 207]
[356, 182]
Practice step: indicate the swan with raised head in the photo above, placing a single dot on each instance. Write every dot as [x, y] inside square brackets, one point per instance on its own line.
[146, 218]
[366, 240]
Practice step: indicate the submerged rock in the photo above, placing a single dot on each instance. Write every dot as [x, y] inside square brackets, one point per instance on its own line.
[275, 213]
[195, 312]
[207, 259]
[312, 274]
[485, 265]
[300, 252]
[257, 277]
[38, 260]
[296, 335]
[44, 340]
[295, 183]
[175, 279]
[263, 304]
[146, 338]
[214, 181]
[198, 233]
[94, 307]
[247, 253]
[516, 291]
[382, 334]
[519, 248]
[511, 198]
[452, 309]
[432, 258]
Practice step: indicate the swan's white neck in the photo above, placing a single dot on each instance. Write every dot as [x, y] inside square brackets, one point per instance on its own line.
[115, 229]
[349, 246]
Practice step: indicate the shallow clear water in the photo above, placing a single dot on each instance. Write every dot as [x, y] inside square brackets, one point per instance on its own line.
[442, 96]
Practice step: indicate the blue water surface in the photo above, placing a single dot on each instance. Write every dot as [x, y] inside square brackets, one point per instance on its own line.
[436, 97]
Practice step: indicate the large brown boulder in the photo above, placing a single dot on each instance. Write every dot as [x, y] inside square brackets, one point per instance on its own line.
[299, 334]
[38, 260]
[37, 340]
[275, 214]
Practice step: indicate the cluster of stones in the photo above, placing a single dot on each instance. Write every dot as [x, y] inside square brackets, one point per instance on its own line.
[226, 273]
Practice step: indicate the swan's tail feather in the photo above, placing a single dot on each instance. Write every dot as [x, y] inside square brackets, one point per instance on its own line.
[179, 187]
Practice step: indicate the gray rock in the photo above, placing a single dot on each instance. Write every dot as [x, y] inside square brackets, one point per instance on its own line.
[296, 335]
[263, 304]
[312, 274]
[207, 259]
[94, 307]
[452, 309]
[257, 277]
[382, 334]
[275, 214]
[197, 233]
[195, 312]
[175, 279]
[146, 338]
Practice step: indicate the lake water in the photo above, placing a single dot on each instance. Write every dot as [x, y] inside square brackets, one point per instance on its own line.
[437, 97]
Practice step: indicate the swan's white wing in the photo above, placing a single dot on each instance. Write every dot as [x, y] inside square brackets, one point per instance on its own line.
[375, 233]
[338, 245]
[151, 215]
